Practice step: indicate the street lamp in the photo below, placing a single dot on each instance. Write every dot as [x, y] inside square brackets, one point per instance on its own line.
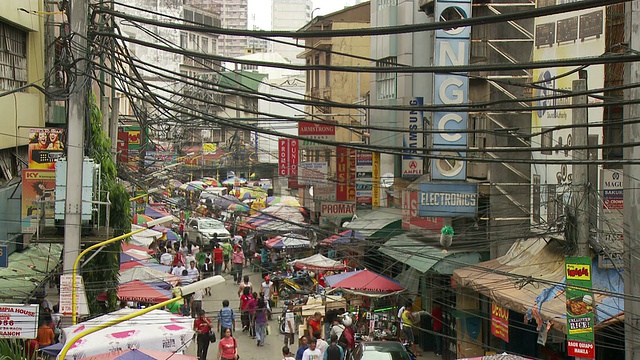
[74, 270]
[184, 291]
[314, 10]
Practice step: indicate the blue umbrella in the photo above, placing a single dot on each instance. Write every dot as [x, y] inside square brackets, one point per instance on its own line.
[334, 279]
[52, 350]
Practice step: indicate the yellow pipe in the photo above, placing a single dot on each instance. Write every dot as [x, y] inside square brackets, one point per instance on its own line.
[99, 327]
[138, 197]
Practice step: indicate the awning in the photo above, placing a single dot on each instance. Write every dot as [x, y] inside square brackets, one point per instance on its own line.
[531, 277]
[422, 257]
[27, 270]
[383, 220]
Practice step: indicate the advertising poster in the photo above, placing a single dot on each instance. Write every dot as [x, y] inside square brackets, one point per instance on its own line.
[46, 145]
[345, 173]
[364, 179]
[500, 322]
[413, 140]
[37, 185]
[610, 218]
[18, 321]
[580, 308]
[312, 173]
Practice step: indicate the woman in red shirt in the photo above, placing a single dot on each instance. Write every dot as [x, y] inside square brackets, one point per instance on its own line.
[202, 326]
[227, 347]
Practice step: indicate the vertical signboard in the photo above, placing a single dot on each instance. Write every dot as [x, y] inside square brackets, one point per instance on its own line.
[566, 35]
[451, 49]
[293, 163]
[364, 179]
[580, 307]
[18, 321]
[46, 145]
[375, 179]
[38, 196]
[345, 174]
[283, 157]
[66, 295]
[610, 228]
[413, 141]
[500, 322]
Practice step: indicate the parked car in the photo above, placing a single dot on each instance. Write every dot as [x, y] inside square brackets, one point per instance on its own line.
[200, 231]
[380, 350]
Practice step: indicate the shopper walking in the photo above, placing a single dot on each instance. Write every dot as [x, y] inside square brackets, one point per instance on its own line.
[227, 347]
[261, 322]
[238, 260]
[226, 318]
[202, 326]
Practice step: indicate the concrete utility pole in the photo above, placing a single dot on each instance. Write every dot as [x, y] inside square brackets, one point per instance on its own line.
[580, 180]
[113, 127]
[78, 13]
[631, 224]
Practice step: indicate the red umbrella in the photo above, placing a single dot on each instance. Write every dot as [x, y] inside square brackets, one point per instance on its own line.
[369, 281]
[140, 291]
[139, 354]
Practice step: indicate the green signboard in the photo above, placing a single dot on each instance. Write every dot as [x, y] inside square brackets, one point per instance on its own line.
[580, 307]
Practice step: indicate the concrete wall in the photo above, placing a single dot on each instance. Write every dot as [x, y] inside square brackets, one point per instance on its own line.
[24, 110]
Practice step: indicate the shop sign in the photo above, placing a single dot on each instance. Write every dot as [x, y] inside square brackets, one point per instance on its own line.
[448, 200]
[312, 173]
[364, 179]
[410, 218]
[500, 322]
[18, 321]
[315, 131]
[337, 208]
[66, 295]
[610, 218]
[413, 141]
[345, 173]
[288, 157]
[580, 307]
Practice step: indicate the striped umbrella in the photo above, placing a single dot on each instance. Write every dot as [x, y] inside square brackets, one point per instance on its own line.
[212, 182]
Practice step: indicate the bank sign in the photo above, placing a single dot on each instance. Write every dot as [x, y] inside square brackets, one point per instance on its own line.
[452, 49]
[448, 200]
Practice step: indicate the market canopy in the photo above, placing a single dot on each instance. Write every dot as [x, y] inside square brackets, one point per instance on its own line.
[146, 273]
[383, 222]
[288, 241]
[26, 270]
[128, 246]
[156, 329]
[140, 291]
[140, 354]
[318, 262]
[532, 273]
[133, 263]
[155, 213]
[368, 283]
[144, 238]
[344, 237]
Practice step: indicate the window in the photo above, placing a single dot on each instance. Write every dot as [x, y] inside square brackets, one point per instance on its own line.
[188, 15]
[13, 57]
[327, 73]
[386, 82]
[205, 45]
[387, 3]
[183, 40]
[316, 75]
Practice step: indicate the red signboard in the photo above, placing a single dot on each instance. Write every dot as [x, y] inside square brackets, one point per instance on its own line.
[316, 131]
[346, 174]
[500, 322]
[581, 349]
[410, 218]
[293, 158]
[283, 157]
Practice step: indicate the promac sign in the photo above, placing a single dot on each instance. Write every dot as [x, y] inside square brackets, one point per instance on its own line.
[452, 49]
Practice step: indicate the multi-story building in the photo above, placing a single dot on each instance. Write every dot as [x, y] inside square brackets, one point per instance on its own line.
[234, 14]
[289, 15]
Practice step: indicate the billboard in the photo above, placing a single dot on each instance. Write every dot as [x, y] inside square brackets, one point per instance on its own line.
[315, 131]
[345, 174]
[610, 219]
[580, 307]
[364, 179]
[18, 321]
[451, 49]
[413, 141]
[46, 145]
[288, 157]
[448, 200]
[561, 36]
[312, 173]
[38, 186]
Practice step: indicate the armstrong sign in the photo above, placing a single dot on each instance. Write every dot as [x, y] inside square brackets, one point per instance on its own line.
[315, 131]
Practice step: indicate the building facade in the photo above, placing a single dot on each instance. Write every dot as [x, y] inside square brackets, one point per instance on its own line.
[234, 14]
[289, 15]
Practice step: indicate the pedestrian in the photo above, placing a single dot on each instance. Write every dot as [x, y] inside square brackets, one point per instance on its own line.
[193, 271]
[251, 307]
[218, 260]
[245, 299]
[227, 347]
[178, 267]
[226, 318]
[227, 249]
[315, 324]
[407, 328]
[166, 258]
[436, 314]
[201, 258]
[336, 329]
[289, 327]
[184, 249]
[286, 353]
[266, 288]
[238, 259]
[321, 344]
[196, 302]
[202, 326]
[334, 351]
[45, 334]
[261, 322]
[174, 307]
[302, 348]
[207, 272]
[245, 283]
[312, 352]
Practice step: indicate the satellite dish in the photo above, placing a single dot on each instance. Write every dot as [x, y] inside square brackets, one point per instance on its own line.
[386, 180]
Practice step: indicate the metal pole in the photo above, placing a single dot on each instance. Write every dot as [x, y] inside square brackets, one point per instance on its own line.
[78, 14]
[113, 128]
[631, 195]
[581, 171]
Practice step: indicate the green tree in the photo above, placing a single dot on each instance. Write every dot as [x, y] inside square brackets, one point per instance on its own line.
[101, 273]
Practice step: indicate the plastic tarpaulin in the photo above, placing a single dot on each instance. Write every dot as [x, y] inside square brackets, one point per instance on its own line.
[154, 330]
[144, 238]
[138, 354]
[317, 262]
[146, 273]
[367, 281]
[139, 291]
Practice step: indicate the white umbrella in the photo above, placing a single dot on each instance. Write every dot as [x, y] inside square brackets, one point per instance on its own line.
[144, 238]
[145, 273]
[154, 330]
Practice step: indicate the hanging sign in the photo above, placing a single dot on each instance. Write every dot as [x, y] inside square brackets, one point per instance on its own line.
[580, 308]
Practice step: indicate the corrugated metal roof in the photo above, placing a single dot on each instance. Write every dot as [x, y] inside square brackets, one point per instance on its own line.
[27, 269]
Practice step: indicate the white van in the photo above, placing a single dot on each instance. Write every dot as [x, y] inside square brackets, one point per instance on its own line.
[213, 192]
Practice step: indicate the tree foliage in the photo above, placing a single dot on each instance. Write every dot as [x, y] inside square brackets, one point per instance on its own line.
[101, 273]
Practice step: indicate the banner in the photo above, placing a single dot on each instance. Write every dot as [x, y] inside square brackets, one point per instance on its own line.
[413, 140]
[209, 148]
[65, 296]
[345, 173]
[18, 321]
[38, 192]
[580, 307]
[46, 145]
[500, 322]
[364, 179]
[312, 173]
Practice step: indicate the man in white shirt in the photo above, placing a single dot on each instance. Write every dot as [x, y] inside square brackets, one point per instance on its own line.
[290, 325]
[166, 258]
[336, 329]
[193, 271]
[266, 289]
[177, 270]
[321, 344]
[312, 353]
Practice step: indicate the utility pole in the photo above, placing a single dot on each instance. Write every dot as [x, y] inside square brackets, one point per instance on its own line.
[113, 128]
[78, 12]
[631, 194]
[580, 180]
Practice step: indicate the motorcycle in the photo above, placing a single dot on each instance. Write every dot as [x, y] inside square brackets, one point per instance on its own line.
[302, 283]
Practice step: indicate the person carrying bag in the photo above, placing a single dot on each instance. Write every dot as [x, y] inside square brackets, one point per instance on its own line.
[228, 347]
[203, 327]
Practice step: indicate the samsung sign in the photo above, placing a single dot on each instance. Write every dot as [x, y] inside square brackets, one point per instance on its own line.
[412, 141]
[448, 200]
[451, 49]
